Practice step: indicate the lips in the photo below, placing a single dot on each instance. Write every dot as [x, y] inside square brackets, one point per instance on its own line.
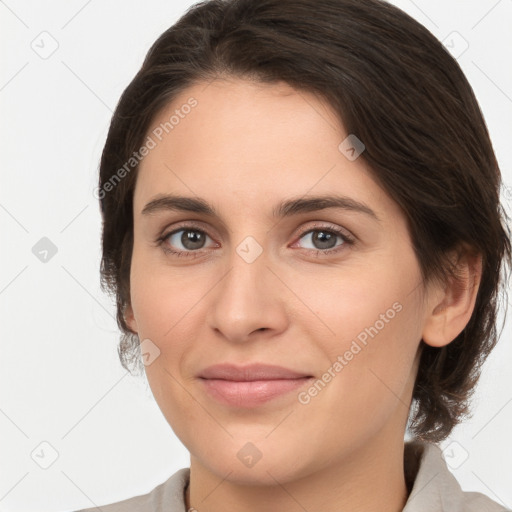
[250, 386]
[251, 372]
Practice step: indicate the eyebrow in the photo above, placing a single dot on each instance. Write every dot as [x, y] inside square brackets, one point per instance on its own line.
[286, 208]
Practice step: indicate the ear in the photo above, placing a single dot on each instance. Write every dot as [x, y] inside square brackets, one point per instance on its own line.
[129, 318]
[451, 304]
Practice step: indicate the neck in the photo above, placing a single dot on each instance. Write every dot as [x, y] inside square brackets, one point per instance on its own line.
[369, 478]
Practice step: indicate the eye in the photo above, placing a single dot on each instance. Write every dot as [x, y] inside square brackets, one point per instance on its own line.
[324, 239]
[189, 238]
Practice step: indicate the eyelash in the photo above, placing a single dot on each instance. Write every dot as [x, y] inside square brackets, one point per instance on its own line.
[347, 240]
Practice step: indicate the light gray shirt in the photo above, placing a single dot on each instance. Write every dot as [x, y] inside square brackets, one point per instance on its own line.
[432, 488]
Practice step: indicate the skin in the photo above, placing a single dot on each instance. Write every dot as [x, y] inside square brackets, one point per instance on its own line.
[245, 147]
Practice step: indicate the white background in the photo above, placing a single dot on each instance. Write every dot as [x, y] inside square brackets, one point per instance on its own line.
[60, 378]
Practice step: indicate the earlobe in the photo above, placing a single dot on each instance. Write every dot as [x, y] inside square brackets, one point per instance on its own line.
[129, 318]
[450, 308]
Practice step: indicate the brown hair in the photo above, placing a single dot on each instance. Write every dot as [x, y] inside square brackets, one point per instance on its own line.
[394, 86]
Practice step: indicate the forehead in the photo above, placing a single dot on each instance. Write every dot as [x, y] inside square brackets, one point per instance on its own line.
[250, 142]
[233, 115]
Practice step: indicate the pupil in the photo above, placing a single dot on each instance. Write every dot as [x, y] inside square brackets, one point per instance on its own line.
[192, 239]
[321, 237]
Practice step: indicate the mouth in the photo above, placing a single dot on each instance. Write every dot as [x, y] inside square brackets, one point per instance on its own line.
[250, 386]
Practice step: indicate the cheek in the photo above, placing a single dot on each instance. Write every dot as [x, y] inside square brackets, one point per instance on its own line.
[169, 309]
[164, 310]
[362, 300]
[377, 382]
[374, 329]
[162, 298]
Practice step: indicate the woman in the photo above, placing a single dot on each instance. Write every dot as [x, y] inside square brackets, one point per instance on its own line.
[303, 231]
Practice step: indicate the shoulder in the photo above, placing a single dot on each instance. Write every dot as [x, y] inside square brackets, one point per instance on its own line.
[435, 488]
[168, 497]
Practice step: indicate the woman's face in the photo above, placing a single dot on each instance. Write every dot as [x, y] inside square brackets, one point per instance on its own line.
[330, 293]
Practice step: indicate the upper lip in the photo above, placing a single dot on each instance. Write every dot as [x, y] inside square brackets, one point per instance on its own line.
[255, 371]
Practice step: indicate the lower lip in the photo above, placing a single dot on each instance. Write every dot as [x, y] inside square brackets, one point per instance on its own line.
[250, 394]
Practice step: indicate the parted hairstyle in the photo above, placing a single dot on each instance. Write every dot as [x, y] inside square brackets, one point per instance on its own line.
[395, 86]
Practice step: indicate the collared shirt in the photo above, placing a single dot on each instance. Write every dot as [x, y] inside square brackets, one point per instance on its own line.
[431, 486]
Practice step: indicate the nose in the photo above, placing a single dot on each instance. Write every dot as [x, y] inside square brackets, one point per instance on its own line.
[249, 299]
